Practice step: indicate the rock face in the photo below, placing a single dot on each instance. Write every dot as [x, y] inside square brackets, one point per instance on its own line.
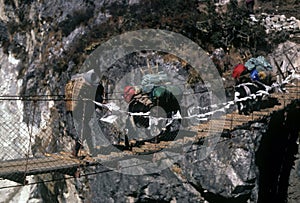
[277, 23]
[250, 164]
[286, 55]
[44, 43]
[228, 174]
[162, 187]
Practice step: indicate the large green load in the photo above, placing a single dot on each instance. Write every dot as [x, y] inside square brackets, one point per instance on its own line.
[151, 80]
[158, 85]
[166, 91]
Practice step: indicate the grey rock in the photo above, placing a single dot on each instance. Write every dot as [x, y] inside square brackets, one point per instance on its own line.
[161, 187]
[229, 172]
[51, 47]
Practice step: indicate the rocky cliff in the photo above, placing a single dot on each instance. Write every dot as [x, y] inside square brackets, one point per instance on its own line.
[44, 43]
[249, 164]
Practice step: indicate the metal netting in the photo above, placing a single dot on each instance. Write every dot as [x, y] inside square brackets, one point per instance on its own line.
[40, 147]
[31, 144]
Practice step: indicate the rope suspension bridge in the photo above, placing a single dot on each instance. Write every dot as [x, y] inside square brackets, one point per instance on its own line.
[32, 143]
[29, 150]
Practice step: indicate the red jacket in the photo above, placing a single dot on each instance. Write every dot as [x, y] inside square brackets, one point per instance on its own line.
[237, 70]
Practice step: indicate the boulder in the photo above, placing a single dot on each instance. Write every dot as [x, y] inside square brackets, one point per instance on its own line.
[228, 174]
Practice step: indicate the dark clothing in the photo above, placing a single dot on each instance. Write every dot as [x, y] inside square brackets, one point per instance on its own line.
[250, 6]
[246, 90]
[71, 130]
[99, 97]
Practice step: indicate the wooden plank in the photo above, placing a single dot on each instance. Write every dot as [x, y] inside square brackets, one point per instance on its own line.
[64, 162]
[40, 165]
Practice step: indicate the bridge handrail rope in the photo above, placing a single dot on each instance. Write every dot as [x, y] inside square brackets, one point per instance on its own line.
[99, 172]
[112, 107]
[169, 156]
[94, 172]
[36, 98]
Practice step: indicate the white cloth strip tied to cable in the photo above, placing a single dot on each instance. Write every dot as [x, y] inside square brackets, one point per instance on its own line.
[110, 106]
[287, 80]
[113, 107]
[109, 119]
[203, 116]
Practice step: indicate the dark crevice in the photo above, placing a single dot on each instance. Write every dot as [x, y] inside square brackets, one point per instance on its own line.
[217, 198]
[276, 154]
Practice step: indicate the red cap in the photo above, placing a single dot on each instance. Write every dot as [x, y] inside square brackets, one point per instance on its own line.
[129, 92]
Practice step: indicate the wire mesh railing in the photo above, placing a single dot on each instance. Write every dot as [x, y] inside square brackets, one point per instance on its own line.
[19, 137]
[33, 136]
[28, 137]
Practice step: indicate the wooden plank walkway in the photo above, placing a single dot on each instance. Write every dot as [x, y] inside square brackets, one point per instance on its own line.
[232, 121]
[63, 162]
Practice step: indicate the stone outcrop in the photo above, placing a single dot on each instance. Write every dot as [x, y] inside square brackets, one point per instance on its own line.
[44, 43]
[235, 171]
[229, 173]
[286, 56]
[276, 23]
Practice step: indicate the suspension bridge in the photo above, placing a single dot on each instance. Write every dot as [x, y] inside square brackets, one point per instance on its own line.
[27, 150]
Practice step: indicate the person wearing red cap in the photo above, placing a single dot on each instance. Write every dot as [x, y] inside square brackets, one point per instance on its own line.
[129, 92]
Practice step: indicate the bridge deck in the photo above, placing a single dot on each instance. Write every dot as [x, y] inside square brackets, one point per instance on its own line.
[17, 170]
